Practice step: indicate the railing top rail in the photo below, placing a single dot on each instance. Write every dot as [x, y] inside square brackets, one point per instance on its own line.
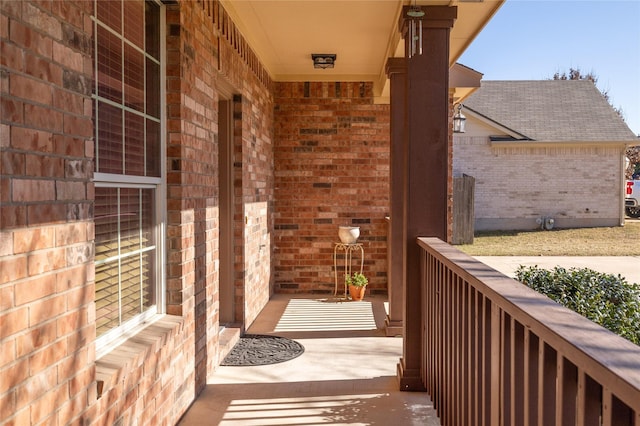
[610, 359]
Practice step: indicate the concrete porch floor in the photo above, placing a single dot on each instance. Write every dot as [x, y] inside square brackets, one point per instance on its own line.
[347, 374]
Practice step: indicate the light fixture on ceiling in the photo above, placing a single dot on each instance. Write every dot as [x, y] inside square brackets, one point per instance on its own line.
[458, 120]
[415, 15]
[323, 60]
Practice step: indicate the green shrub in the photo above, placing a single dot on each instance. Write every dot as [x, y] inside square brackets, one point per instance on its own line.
[605, 299]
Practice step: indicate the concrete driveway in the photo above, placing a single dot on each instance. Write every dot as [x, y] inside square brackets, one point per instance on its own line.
[627, 266]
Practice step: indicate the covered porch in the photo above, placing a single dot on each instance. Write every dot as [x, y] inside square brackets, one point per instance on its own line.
[254, 158]
[346, 375]
[492, 352]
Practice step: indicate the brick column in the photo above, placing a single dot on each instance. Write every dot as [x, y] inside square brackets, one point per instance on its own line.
[426, 169]
[396, 70]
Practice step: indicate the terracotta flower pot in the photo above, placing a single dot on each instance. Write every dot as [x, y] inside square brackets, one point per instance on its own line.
[357, 293]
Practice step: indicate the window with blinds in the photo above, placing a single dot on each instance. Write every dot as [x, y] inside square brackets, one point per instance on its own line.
[128, 156]
[125, 255]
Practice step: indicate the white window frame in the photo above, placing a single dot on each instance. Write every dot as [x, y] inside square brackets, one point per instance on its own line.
[117, 335]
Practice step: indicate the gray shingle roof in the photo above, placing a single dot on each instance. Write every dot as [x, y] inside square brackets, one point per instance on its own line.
[550, 110]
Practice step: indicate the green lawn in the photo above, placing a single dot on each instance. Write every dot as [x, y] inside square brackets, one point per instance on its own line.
[616, 241]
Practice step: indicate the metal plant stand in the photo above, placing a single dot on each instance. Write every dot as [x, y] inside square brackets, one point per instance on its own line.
[348, 256]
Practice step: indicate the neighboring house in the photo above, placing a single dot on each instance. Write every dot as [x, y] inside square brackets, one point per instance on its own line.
[543, 149]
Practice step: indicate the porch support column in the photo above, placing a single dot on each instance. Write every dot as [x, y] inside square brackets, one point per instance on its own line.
[426, 171]
[396, 70]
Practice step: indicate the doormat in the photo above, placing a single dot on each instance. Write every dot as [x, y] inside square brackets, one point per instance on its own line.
[261, 349]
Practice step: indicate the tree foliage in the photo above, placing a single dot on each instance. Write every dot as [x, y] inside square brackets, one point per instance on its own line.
[575, 74]
[633, 154]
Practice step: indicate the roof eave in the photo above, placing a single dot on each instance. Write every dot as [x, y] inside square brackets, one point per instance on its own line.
[541, 144]
[486, 120]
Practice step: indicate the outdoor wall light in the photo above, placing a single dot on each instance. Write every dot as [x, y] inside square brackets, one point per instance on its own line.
[458, 120]
[323, 60]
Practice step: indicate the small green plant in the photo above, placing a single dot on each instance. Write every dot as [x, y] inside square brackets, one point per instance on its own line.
[605, 299]
[356, 279]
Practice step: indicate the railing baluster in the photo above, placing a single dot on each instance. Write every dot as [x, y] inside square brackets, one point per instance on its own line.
[497, 353]
[491, 389]
[560, 387]
[510, 370]
[468, 366]
[434, 328]
[485, 353]
[448, 338]
[423, 320]
[495, 363]
[450, 345]
[458, 325]
[437, 334]
[442, 332]
[518, 386]
[580, 409]
[444, 342]
[506, 372]
[527, 379]
[426, 310]
[473, 356]
[442, 373]
[606, 407]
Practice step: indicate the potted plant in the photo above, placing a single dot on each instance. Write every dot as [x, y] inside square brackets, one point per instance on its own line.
[357, 283]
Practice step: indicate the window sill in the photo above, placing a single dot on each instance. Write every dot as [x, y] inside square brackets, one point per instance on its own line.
[118, 364]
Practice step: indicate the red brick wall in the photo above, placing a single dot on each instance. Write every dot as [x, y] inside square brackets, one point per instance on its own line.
[188, 354]
[331, 169]
[254, 165]
[46, 230]
[196, 70]
[47, 319]
[150, 386]
[192, 177]
[253, 171]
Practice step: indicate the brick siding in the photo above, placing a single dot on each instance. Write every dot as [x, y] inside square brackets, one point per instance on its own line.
[47, 314]
[192, 178]
[332, 168]
[515, 185]
[46, 229]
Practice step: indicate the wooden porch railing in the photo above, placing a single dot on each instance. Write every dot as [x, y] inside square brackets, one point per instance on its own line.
[497, 353]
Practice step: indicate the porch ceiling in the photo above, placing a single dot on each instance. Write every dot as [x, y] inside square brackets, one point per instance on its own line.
[362, 33]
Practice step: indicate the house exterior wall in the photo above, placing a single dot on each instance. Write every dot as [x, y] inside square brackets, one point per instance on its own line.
[192, 183]
[576, 185]
[331, 169]
[307, 157]
[48, 363]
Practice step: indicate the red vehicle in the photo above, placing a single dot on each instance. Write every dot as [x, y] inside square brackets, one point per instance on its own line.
[632, 198]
